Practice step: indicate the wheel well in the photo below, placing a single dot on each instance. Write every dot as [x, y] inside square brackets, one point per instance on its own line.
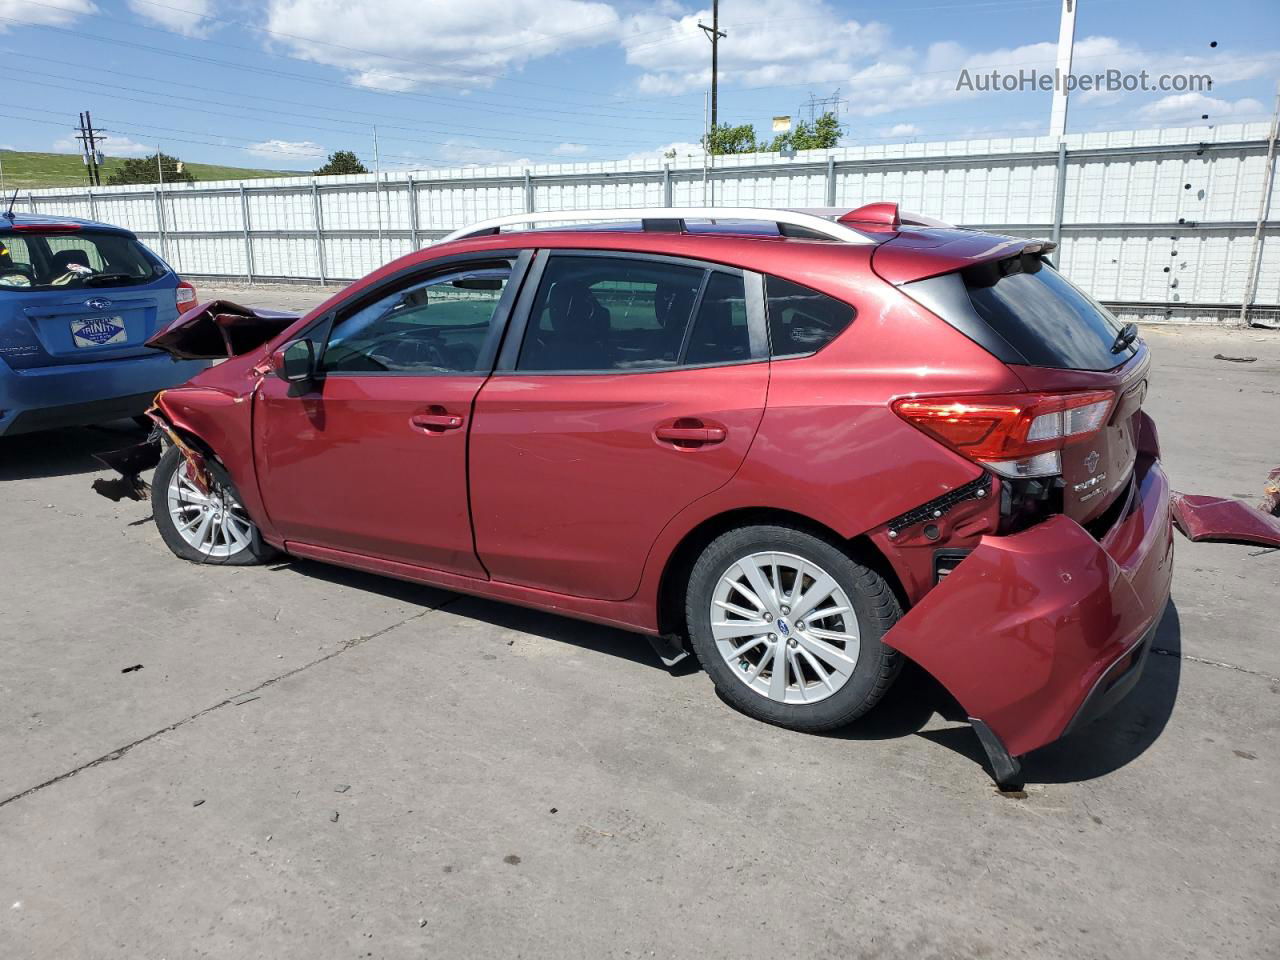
[675, 575]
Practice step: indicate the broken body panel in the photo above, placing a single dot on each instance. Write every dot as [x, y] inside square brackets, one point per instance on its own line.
[219, 329]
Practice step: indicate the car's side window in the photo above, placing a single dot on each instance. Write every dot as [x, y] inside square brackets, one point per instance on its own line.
[719, 333]
[802, 321]
[609, 313]
[434, 326]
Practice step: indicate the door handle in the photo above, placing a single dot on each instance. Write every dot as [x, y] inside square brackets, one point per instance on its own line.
[436, 422]
[690, 433]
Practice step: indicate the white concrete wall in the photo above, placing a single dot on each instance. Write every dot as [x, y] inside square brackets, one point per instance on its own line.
[1127, 216]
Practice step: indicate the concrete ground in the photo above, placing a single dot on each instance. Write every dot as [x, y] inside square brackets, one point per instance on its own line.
[315, 763]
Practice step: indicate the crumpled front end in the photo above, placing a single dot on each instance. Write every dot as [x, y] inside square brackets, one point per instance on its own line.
[219, 329]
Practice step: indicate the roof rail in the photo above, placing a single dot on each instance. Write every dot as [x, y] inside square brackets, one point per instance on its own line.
[790, 223]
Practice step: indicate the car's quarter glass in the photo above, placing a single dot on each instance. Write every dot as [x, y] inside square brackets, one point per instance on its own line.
[802, 321]
[371, 456]
[573, 472]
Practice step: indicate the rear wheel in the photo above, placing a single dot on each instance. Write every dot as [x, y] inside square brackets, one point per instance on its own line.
[789, 626]
[202, 527]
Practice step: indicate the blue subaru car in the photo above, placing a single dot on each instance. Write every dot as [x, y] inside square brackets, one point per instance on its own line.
[78, 300]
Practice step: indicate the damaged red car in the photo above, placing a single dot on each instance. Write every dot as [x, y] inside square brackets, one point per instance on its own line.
[804, 446]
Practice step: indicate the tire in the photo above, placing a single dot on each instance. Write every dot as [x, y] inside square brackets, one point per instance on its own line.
[809, 702]
[233, 543]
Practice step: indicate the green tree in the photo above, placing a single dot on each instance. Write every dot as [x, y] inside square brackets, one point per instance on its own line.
[822, 135]
[341, 162]
[148, 170]
[725, 138]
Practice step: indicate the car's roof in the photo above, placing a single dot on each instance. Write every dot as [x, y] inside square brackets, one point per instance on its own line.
[32, 221]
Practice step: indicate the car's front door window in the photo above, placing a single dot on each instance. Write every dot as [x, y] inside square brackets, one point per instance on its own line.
[438, 325]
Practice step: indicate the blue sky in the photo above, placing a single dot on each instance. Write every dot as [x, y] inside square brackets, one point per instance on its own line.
[278, 83]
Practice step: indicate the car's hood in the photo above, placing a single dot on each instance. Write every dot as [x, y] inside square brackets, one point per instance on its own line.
[219, 329]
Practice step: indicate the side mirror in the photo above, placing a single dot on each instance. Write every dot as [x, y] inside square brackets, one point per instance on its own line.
[295, 362]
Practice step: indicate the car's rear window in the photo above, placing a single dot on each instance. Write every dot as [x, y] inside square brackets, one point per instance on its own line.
[76, 260]
[1043, 316]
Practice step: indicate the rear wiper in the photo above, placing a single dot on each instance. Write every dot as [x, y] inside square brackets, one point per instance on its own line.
[1128, 333]
[100, 278]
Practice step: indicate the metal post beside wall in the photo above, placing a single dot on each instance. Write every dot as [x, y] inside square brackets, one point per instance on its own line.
[1059, 203]
[164, 245]
[414, 240]
[248, 240]
[528, 192]
[831, 181]
[666, 185]
[317, 216]
[93, 206]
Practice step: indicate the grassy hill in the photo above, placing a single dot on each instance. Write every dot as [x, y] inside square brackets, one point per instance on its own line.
[35, 170]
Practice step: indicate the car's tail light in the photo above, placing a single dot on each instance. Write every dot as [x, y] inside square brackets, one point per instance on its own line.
[186, 296]
[1017, 434]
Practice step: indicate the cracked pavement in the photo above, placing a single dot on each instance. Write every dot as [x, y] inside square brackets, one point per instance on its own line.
[521, 784]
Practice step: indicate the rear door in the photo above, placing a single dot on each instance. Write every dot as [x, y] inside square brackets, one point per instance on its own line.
[77, 296]
[628, 387]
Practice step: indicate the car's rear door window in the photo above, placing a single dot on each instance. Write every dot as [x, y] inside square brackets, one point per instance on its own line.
[438, 325]
[720, 332]
[802, 321]
[609, 313]
[74, 260]
[1048, 320]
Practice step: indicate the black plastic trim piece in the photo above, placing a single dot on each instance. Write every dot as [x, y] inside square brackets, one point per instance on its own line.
[1006, 770]
[946, 296]
[977, 489]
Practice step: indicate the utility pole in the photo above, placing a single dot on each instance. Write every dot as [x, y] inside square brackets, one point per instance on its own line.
[89, 138]
[377, 192]
[715, 35]
[160, 164]
[1066, 43]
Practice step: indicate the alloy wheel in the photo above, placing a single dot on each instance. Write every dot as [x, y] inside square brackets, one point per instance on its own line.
[214, 524]
[785, 627]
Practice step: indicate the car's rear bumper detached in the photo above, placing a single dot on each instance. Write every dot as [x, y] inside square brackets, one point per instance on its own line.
[1038, 632]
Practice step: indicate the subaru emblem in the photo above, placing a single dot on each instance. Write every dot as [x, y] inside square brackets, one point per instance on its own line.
[97, 303]
[1091, 461]
[782, 628]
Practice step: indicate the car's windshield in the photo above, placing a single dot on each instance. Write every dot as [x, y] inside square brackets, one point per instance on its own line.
[79, 259]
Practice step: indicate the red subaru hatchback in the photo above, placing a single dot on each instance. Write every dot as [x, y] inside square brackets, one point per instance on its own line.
[804, 446]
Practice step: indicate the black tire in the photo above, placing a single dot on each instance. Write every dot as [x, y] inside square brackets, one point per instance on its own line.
[874, 604]
[256, 551]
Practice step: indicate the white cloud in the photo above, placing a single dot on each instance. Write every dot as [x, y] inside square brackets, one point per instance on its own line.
[287, 148]
[1187, 108]
[113, 145]
[772, 41]
[409, 43]
[469, 153]
[901, 130]
[680, 151]
[51, 13]
[569, 150]
[185, 17]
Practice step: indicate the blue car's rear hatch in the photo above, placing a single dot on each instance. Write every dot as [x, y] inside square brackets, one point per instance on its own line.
[78, 295]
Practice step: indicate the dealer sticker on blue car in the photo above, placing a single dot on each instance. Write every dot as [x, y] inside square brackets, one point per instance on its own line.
[98, 331]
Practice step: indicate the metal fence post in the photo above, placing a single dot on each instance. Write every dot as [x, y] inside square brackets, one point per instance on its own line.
[93, 206]
[666, 185]
[248, 240]
[318, 215]
[831, 181]
[164, 245]
[414, 240]
[1059, 203]
[31, 201]
[528, 192]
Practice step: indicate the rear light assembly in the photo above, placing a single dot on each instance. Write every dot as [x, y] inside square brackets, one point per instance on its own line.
[185, 296]
[1015, 435]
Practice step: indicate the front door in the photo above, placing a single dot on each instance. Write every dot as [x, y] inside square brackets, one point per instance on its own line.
[637, 388]
[371, 458]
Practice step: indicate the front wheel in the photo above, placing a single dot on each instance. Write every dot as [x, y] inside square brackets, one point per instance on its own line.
[789, 626]
[200, 527]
